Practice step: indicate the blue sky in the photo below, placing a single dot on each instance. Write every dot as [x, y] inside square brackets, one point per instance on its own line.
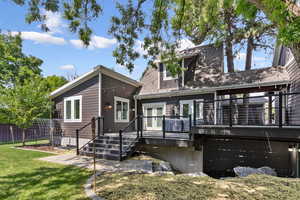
[63, 53]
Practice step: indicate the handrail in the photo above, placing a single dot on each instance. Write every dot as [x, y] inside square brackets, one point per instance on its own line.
[129, 124]
[87, 143]
[121, 135]
[83, 127]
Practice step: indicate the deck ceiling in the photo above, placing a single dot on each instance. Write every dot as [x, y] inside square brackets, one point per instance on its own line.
[272, 88]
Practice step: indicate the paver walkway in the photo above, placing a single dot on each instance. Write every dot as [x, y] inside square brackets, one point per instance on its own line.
[101, 165]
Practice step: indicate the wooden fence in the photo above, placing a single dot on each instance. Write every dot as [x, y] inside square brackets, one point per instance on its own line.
[41, 129]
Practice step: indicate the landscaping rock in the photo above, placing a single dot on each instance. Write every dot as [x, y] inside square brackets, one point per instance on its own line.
[246, 171]
[165, 166]
[196, 174]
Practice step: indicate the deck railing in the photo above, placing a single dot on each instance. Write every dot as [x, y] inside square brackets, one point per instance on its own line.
[279, 110]
[166, 125]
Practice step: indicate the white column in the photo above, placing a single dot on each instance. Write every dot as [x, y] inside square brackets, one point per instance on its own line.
[100, 95]
[215, 107]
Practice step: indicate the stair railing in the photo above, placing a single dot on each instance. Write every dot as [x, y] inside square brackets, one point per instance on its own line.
[92, 123]
[136, 120]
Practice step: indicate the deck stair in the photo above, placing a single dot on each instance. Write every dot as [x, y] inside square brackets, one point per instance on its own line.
[108, 147]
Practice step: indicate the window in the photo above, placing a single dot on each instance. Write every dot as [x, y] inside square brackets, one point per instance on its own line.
[199, 110]
[167, 75]
[121, 109]
[73, 109]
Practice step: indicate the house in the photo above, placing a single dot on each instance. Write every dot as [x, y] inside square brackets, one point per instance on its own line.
[198, 120]
[78, 101]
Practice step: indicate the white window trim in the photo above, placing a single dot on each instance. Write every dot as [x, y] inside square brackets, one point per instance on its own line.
[165, 77]
[72, 99]
[156, 104]
[191, 101]
[115, 109]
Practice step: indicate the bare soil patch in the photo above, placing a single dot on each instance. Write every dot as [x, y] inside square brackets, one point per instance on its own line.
[47, 148]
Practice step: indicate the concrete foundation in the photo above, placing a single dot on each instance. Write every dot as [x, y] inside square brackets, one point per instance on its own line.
[186, 160]
[69, 141]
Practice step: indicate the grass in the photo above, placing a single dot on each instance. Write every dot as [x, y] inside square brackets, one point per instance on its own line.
[117, 186]
[24, 177]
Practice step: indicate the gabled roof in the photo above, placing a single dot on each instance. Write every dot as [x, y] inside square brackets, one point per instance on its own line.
[209, 83]
[96, 70]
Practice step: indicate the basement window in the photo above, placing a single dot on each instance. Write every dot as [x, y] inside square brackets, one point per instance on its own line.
[73, 109]
[121, 109]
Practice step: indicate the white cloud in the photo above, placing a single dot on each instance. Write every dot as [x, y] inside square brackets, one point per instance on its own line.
[138, 47]
[40, 37]
[54, 21]
[97, 42]
[67, 67]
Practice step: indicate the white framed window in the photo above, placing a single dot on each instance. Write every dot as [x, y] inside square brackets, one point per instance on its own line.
[187, 108]
[121, 109]
[167, 75]
[73, 109]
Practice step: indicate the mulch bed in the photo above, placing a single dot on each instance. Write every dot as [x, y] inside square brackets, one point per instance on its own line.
[46, 147]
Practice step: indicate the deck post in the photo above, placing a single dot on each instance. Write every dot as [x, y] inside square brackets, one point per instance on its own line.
[137, 126]
[270, 109]
[230, 112]
[194, 112]
[99, 124]
[190, 127]
[77, 142]
[164, 126]
[280, 110]
[141, 125]
[121, 144]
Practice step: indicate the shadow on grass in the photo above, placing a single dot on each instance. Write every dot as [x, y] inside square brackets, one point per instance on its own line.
[44, 183]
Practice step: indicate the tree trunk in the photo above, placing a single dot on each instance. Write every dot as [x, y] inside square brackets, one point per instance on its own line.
[229, 41]
[23, 136]
[12, 133]
[248, 66]
[230, 59]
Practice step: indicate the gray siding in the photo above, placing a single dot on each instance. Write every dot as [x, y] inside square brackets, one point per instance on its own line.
[294, 100]
[90, 107]
[111, 88]
[166, 84]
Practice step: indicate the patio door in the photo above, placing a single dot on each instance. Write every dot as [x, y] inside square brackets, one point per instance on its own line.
[186, 108]
[153, 113]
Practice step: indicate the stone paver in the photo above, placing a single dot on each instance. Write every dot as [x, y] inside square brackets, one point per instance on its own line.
[101, 165]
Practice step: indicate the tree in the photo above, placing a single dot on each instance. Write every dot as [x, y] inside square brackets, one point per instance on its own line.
[12, 59]
[53, 82]
[25, 101]
[166, 20]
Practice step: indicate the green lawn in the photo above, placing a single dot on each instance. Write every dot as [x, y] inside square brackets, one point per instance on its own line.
[22, 177]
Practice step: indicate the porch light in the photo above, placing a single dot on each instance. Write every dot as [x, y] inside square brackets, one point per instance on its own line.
[107, 106]
[292, 148]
